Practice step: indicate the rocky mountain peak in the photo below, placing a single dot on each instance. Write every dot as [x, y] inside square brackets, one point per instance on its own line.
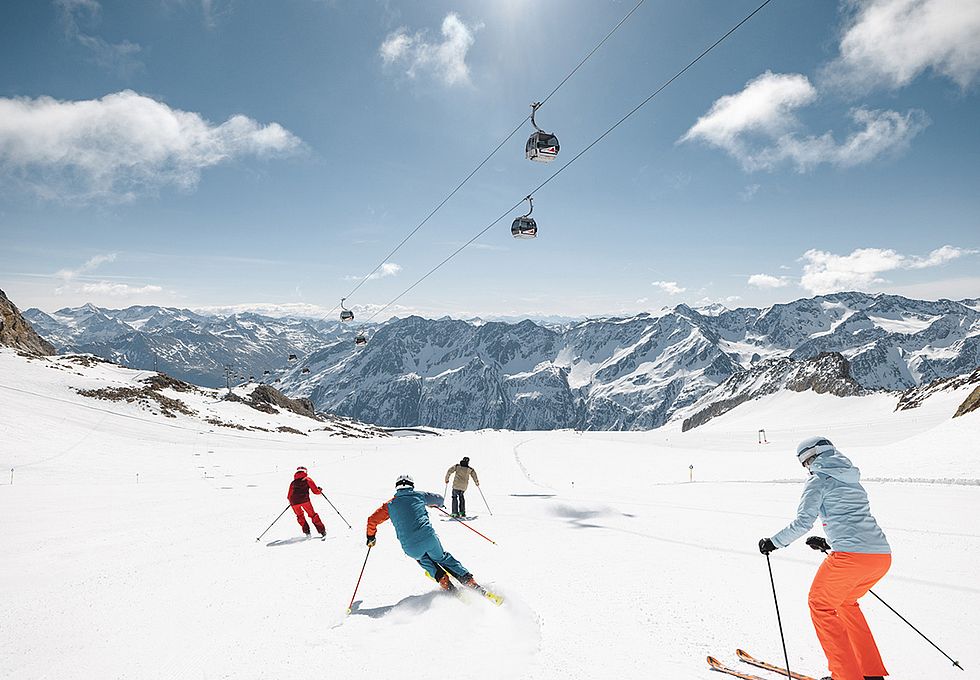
[17, 332]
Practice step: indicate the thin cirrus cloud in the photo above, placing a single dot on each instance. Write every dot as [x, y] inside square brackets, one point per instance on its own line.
[445, 59]
[669, 287]
[889, 43]
[121, 58]
[758, 127]
[70, 280]
[825, 272]
[122, 145]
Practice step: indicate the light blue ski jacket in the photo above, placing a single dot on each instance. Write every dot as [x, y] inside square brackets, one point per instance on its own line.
[834, 493]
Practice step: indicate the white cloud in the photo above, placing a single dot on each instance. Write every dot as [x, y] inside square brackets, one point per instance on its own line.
[446, 59]
[889, 43]
[119, 57]
[827, 272]
[767, 281]
[758, 127]
[384, 271]
[117, 289]
[91, 264]
[766, 106]
[116, 147]
[669, 287]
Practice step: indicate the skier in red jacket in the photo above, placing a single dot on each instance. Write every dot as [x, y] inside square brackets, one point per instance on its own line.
[299, 500]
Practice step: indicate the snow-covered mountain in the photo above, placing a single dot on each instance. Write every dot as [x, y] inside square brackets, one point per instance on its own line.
[190, 346]
[608, 374]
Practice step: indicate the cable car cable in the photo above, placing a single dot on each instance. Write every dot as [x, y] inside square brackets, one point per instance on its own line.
[489, 156]
[578, 155]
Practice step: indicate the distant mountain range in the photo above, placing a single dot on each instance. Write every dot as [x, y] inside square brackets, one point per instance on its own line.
[602, 374]
[193, 347]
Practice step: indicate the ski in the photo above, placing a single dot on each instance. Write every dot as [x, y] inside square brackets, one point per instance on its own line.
[716, 665]
[489, 594]
[752, 661]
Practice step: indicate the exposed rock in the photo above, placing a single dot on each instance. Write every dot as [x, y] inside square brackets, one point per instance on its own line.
[15, 331]
[970, 404]
[827, 373]
[913, 398]
[265, 398]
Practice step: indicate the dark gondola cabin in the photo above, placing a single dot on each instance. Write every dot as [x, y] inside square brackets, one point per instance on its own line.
[292, 357]
[524, 227]
[306, 370]
[347, 315]
[361, 339]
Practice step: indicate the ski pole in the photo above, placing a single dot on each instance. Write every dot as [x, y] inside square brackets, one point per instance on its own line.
[350, 607]
[484, 499]
[465, 525]
[778, 618]
[335, 509]
[817, 545]
[273, 522]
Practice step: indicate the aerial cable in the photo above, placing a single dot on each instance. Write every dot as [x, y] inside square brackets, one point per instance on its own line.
[574, 158]
[489, 156]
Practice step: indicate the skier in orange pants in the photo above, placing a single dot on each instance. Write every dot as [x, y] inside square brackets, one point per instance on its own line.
[860, 559]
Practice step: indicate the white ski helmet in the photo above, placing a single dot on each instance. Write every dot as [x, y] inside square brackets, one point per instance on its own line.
[812, 447]
[404, 482]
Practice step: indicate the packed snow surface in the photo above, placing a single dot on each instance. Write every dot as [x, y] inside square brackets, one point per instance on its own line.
[613, 563]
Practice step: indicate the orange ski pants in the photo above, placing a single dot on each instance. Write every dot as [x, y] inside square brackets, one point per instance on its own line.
[843, 633]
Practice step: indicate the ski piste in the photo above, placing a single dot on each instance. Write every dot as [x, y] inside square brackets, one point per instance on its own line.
[752, 661]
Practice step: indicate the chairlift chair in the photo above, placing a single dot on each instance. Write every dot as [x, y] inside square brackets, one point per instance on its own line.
[541, 146]
[345, 314]
[525, 226]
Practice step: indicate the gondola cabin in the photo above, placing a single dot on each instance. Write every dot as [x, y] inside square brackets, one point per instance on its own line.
[542, 147]
[524, 227]
[292, 357]
[361, 339]
[305, 370]
[347, 315]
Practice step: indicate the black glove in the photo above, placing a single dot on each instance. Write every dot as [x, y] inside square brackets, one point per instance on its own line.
[818, 543]
[766, 546]
[371, 540]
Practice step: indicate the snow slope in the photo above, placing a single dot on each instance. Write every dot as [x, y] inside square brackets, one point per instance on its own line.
[613, 564]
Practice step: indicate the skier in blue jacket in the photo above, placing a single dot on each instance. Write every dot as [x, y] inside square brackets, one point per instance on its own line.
[861, 557]
[408, 513]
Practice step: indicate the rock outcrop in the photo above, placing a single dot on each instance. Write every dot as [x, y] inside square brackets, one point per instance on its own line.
[16, 332]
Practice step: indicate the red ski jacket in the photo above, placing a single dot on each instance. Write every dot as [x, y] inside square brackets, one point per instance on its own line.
[300, 488]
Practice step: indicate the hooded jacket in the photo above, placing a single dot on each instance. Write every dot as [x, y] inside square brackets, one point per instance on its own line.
[407, 512]
[834, 493]
[300, 488]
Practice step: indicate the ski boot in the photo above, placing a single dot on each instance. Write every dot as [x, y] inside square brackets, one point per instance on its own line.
[445, 583]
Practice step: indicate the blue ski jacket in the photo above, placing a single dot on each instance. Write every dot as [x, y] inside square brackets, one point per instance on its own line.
[834, 493]
[408, 513]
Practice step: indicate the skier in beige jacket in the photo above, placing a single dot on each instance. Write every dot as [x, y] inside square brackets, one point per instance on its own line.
[461, 480]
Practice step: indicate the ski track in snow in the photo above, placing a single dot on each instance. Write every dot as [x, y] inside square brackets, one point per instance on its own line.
[612, 563]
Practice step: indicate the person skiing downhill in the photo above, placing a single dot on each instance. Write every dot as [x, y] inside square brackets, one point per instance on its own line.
[299, 501]
[461, 479]
[861, 556]
[407, 512]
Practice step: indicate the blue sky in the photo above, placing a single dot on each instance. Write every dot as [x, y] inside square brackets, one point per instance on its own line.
[235, 155]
